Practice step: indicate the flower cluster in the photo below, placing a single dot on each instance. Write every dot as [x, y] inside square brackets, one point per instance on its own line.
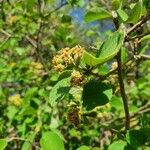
[73, 115]
[36, 67]
[15, 100]
[67, 57]
[76, 78]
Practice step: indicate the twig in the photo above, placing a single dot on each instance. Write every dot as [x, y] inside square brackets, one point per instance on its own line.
[39, 37]
[57, 8]
[142, 57]
[137, 36]
[4, 32]
[142, 110]
[106, 4]
[120, 78]
[6, 40]
[122, 91]
[140, 23]
[32, 42]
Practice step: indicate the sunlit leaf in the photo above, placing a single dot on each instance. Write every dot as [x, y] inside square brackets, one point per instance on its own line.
[59, 91]
[96, 13]
[117, 145]
[3, 144]
[136, 12]
[107, 50]
[27, 144]
[51, 141]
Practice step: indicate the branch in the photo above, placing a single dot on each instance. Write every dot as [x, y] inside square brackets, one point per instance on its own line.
[39, 37]
[122, 92]
[139, 24]
[8, 36]
[57, 8]
[142, 57]
[120, 78]
[142, 110]
[32, 42]
[137, 36]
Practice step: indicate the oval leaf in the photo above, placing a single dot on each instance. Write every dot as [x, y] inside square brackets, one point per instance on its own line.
[51, 141]
[83, 148]
[107, 50]
[136, 12]
[96, 13]
[27, 144]
[117, 145]
[96, 93]
[59, 91]
[3, 144]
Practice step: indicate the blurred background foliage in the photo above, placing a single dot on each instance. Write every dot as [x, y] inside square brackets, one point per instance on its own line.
[31, 33]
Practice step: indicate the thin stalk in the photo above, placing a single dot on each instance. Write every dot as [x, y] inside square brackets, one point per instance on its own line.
[122, 92]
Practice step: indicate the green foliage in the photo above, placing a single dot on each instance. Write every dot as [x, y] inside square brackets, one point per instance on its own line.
[27, 145]
[96, 94]
[3, 144]
[117, 145]
[107, 50]
[136, 12]
[83, 148]
[59, 91]
[136, 138]
[96, 13]
[76, 102]
[116, 4]
[50, 141]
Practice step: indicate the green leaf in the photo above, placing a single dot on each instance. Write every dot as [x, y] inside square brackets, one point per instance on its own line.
[107, 50]
[83, 148]
[145, 5]
[11, 112]
[145, 38]
[27, 145]
[116, 4]
[28, 110]
[136, 138]
[96, 13]
[96, 93]
[145, 120]
[51, 141]
[133, 108]
[65, 74]
[59, 91]
[30, 94]
[116, 103]
[79, 3]
[30, 4]
[117, 145]
[3, 144]
[122, 14]
[66, 19]
[124, 55]
[136, 12]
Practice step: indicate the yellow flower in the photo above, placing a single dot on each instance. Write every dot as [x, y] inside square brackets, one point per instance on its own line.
[12, 19]
[59, 67]
[13, 64]
[15, 100]
[36, 68]
[76, 78]
[114, 65]
[36, 65]
[67, 57]
[37, 128]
